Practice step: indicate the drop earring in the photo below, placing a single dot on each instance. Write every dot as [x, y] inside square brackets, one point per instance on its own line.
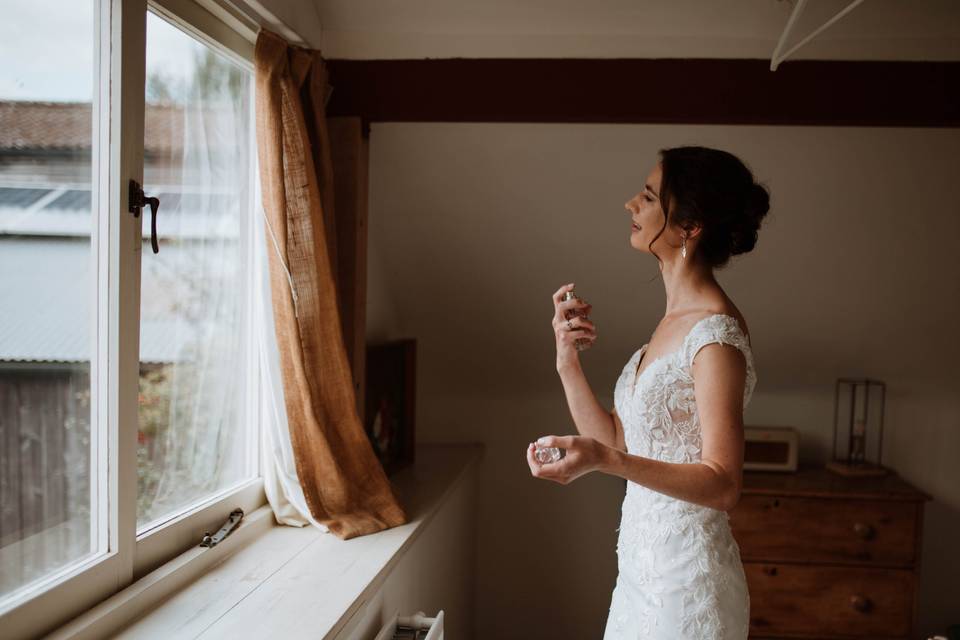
[683, 248]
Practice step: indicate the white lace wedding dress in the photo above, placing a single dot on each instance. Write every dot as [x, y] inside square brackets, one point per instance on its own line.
[680, 574]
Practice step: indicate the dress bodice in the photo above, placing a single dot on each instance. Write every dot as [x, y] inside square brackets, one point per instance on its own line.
[658, 409]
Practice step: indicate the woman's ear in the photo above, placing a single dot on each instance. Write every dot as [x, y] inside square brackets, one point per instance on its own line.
[693, 230]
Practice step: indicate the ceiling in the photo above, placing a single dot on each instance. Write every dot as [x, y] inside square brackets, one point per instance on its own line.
[375, 29]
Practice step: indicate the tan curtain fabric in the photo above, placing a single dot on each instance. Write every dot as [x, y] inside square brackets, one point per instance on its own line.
[344, 484]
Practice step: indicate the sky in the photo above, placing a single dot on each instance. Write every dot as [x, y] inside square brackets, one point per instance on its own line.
[47, 48]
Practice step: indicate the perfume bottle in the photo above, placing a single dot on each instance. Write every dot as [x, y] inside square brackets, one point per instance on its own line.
[579, 343]
[546, 455]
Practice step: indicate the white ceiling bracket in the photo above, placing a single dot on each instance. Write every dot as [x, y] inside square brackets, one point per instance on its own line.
[777, 58]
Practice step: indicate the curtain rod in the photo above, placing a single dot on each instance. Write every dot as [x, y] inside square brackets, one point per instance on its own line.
[247, 25]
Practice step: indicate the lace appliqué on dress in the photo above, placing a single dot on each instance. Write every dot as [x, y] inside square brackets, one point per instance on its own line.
[680, 569]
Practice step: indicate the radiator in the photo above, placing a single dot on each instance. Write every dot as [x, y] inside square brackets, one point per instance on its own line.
[415, 627]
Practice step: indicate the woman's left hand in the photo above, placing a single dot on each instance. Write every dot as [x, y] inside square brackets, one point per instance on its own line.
[583, 456]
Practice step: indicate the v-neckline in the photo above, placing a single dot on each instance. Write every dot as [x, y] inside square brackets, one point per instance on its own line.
[637, 373]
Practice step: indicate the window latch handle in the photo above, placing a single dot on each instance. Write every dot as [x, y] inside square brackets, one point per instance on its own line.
[138, 200]
[211, 541]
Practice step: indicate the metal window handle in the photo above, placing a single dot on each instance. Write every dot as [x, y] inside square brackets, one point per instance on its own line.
[137, 201]
[212, 540]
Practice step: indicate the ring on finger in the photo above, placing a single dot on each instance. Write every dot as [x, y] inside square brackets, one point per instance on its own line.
[569, 325]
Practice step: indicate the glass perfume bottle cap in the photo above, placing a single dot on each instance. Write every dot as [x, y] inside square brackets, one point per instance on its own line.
[546, 455]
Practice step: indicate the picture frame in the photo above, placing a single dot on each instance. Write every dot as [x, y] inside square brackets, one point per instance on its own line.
[390, 402]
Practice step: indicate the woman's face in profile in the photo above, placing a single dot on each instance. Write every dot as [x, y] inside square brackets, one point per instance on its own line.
[646, 214]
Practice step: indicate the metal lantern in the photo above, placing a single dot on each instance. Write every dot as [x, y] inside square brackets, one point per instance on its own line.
[858, 427]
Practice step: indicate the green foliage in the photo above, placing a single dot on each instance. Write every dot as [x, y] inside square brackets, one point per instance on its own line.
[154, 410]
[215, 79]
[179, 451]
[164, 89]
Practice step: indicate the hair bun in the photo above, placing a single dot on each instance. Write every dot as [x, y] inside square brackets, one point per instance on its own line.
[758, 203]
[744, 237]
[714, 189]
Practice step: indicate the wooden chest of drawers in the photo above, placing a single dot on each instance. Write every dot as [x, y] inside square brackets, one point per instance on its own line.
[827, 556]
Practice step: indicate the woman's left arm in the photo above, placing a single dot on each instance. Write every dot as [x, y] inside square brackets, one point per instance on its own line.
[719, 373]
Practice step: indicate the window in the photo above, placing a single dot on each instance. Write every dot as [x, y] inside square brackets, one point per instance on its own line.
[195, 337]
[49, 461]
[129, 381]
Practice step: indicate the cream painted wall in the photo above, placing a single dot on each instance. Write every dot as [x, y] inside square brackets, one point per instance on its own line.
[473, 226]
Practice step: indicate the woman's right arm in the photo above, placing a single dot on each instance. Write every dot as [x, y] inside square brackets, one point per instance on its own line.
[591, 419]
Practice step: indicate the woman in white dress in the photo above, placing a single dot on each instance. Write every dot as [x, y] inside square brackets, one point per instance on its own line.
[676, 430]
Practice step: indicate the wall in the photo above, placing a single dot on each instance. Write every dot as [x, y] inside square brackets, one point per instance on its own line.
[435, 572]
[473, 226]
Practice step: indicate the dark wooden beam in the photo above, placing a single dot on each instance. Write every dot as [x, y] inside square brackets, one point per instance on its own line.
[692, 91]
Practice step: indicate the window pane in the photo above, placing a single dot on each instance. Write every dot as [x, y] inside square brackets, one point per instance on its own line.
[194, 436]
[48, 291]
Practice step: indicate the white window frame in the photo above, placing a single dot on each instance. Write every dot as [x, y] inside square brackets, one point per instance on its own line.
[159, 544]
[120, 35]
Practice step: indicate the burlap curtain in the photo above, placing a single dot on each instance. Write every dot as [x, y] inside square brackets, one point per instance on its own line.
[344, 484]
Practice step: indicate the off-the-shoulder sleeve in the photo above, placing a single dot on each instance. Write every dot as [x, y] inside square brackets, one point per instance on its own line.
[723, 329]
[715, 328]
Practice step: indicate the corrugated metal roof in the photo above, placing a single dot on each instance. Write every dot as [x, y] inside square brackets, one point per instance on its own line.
[60, 210]
[46, 315]
[72, 199]
[21, 197]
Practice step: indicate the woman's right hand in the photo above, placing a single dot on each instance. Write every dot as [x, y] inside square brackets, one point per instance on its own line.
[568, 331]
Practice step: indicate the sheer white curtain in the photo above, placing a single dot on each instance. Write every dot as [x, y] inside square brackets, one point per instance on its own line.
[197, 363]
[206, 308]
[280, 479]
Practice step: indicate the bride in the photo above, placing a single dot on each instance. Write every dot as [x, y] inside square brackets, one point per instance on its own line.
[676, 430]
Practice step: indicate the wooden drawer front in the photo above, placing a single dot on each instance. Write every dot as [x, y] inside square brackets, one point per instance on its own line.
[829, 601]
[819, 530]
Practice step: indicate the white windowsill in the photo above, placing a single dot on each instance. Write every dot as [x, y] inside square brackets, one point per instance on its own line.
[310, 582]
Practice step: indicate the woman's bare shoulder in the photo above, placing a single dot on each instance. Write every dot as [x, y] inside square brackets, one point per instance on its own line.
[722, 304]
[728, 309]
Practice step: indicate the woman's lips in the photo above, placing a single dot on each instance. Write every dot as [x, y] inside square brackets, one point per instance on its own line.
[634, 226]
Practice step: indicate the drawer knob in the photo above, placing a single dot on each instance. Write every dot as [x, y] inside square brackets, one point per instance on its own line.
[862, 604]
[864, 531]
[770, 571]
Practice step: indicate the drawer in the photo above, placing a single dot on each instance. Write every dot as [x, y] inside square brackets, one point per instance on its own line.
[822, 530]
[826, 602]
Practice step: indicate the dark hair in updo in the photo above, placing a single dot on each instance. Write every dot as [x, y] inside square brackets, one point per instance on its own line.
[716, 190]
